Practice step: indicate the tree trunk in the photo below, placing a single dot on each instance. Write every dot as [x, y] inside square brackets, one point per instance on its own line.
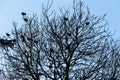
[67, 71]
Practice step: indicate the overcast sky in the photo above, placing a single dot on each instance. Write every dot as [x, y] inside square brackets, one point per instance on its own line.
[10, 11]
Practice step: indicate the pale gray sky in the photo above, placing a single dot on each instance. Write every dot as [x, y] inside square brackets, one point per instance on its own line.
[10, 11]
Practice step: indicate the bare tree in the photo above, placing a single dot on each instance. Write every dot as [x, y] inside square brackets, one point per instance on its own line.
[111, 69]
[24, 58]
[77, 44]
[71, 45]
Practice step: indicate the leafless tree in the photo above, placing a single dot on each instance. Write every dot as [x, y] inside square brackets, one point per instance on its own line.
[71, 45]
[23, 59]
[77, 44]
[111, 70]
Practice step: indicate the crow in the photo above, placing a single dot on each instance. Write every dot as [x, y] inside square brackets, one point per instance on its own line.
[25, 19]
[7, 34]
[23, 38]
[50, 66]
[65, 18]
[23, 13]
[69, 34]
[51, 50]
[29, 39]
[87, 23]
[35, 41]
[6, 42]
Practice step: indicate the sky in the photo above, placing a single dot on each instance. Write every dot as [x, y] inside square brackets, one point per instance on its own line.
[10, 11]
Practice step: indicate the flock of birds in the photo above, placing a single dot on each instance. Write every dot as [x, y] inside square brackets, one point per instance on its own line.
[11, 42]
[24, 16]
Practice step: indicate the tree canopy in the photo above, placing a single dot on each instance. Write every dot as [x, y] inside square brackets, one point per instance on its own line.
[69, 45]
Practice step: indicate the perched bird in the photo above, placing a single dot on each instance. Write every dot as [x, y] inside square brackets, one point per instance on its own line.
[51, 50]
[23, 38]
[35, 41]
[65, 18]
[23, 13]
[6, 42]
[25, 19]
[69, 34]
[87, 23]
[29, 39]
[50, 66]
[7, 34]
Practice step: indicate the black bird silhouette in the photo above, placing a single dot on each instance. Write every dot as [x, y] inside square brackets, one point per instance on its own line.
[87, 23]
[35, 41]
[29, 39]
[51, 50]
[50, 66]
[23, 38]
[69, 34]
[65, 18]
[23, 13]
[25, 19]
[5, 42]
[7, 34]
